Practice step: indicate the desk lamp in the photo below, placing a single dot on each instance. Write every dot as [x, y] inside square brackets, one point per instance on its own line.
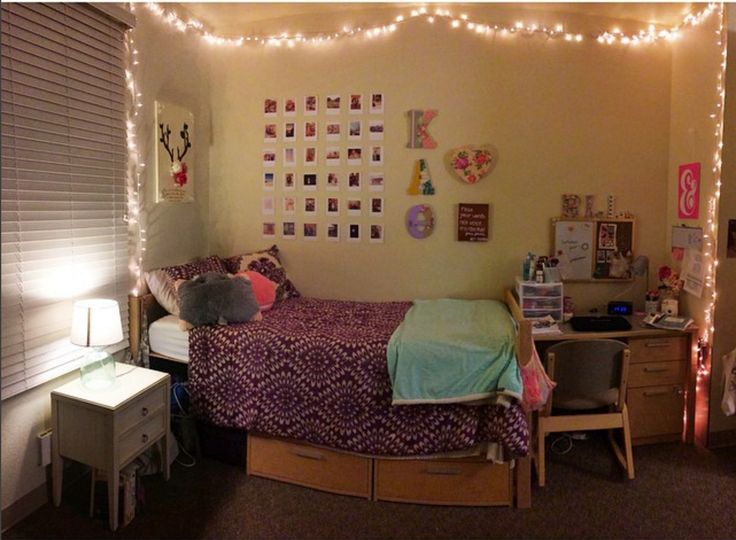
[96, 324]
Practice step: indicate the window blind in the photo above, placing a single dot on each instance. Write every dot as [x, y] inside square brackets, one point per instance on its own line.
[63, 182]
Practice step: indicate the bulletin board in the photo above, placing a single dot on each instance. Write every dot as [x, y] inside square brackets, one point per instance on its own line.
[594, 249]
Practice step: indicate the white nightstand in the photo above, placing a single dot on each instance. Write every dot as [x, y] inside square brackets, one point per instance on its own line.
[107, 429]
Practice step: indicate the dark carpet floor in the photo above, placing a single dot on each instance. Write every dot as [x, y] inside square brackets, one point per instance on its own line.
[679, 492]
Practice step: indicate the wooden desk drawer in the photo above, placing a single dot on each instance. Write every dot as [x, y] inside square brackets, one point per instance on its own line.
[656, 410]
[139, 410]
[132, 443]
[656, 373]
[309, 466]
[471, 483]
[658, 349]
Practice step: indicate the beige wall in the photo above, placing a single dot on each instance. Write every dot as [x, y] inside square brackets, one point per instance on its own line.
[695, 67]
[565, 117]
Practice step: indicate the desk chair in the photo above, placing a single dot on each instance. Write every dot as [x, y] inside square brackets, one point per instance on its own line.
[590, 374]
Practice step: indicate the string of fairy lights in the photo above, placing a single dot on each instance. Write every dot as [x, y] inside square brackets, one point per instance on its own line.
[650, 35]
[434, 16]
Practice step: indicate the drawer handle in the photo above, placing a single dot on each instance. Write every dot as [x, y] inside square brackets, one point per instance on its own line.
[655, 369]
[443, 471]
[308, 454]
[144, 438]
[658, 344]
[144, 411]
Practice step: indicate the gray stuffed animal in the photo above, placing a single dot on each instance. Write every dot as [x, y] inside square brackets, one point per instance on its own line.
[217, 298]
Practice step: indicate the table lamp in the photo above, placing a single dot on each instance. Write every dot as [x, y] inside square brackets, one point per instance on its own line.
[95, 325]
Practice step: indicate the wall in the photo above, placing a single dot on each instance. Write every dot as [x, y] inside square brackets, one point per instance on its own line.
[695, 67]
[565, 117]
[171, 69]
[725, 318]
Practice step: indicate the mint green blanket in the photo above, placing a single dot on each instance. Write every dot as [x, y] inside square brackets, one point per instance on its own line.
[453, 351]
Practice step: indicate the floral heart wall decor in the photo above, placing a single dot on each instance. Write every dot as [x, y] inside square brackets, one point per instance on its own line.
[471, 163]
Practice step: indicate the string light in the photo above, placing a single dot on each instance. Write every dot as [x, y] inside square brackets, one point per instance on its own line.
[615, 36]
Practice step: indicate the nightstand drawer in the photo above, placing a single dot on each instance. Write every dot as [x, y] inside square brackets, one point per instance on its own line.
[658, 349]
[141, 409]
[656, 410]
[656, 373]
[135, 440]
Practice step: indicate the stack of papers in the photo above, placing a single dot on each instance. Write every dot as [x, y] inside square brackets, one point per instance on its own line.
[545, 325]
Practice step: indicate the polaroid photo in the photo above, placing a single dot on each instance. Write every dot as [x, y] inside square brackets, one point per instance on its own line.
[354, 207]
[375, 130]
[333, 104]
[269, 179]
[269, 133]
[375, 235]
[269, 157]
[310, 131]
[356, 103]
[288, 206]
[333, 181]
[288, 231]
[376, 155]
[354, 181]
[310, 156]
[355, 130]
[376, 104]
[355, 156]
[333, 131]
[269, 230]
[289, 181]
[309, 182]
[310, 231]
[332, 156]
[267, 206]
[289, 156]
[354, 232]
[310, 106]
[270, 107]
[376, 206]
[333, 232]
[290, 131]
[375, 182]
[290, 107]
[333, 206]
[310, 205]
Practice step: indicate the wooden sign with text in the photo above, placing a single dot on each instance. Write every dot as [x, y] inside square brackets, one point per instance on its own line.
[472, 222]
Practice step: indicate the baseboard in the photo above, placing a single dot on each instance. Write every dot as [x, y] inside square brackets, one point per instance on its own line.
[719, 439]
[25, 506]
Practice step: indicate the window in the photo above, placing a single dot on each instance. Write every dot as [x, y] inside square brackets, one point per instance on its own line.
[64, 159]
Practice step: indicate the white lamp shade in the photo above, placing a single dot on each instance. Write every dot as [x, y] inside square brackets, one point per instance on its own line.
[96, 323]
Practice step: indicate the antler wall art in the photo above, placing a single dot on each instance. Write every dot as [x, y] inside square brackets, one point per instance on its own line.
[173, 174]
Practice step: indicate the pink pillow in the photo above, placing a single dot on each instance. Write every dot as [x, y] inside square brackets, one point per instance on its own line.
[263, 288]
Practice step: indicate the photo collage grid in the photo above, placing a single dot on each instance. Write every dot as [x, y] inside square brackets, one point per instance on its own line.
[323, 157]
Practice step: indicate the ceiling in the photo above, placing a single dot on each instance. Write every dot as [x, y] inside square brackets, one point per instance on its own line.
[236, 18]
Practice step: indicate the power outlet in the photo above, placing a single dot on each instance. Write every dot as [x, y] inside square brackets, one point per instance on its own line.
[44, 446]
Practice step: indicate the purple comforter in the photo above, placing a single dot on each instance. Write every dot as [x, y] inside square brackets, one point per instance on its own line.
[315, 370]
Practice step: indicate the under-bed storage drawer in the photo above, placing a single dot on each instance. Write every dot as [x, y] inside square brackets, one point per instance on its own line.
[457, 482]
[309, 466]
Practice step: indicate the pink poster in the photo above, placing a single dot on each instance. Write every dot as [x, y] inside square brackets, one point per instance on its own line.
[688, 191]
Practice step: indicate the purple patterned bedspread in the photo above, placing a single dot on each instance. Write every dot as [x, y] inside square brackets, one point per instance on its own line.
[315, 370]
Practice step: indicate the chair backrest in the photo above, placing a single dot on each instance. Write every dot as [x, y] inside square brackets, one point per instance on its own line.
[589, 373]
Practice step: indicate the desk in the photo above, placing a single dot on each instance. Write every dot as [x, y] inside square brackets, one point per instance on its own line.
[662, 377]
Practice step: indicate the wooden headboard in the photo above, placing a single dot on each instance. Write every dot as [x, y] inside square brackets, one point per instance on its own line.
[138, 305]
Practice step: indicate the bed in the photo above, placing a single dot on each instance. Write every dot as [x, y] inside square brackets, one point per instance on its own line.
[309, 384]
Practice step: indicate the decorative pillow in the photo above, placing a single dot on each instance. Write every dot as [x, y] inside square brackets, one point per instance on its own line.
[268, 264]
[217, 298]
[161, 281]
[263, 288]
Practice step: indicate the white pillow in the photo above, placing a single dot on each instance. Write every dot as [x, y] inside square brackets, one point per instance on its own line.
[162, 287]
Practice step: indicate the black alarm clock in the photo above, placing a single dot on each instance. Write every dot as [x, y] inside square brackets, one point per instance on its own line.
[620, 308]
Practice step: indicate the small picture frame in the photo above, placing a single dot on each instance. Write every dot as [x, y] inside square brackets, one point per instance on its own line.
[288, 230]
[333, 232]
[355, 130]
[377, 103]
[376, 155]
[310, 205]
[375, 181]
[354, 181]
[310, 106]
[333, 206]
[309, 182]
[289, 181]
[310, 130]
[354, 207]
[356, 104]
[376, 206]
[333, 181]
[375, 130]
[270, 107]
[332, 104]
[289, 156]
[269, 229]
[269, 179]
[310, 156]
[355, 155]
[354, 232]
[290, 106]
[375, 235]
[332, 131]
[332, 156]
[289, 131]
[267, 208]
[310, 231]
[269, 157]
[288, 206]
[270, 133]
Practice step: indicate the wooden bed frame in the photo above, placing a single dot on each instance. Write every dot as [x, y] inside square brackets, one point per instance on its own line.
[445, 481]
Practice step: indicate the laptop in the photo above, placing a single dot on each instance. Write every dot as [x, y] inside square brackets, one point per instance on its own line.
[599, 323]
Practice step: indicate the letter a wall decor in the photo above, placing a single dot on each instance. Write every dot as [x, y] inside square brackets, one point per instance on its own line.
[174, 126]
[419, 137]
